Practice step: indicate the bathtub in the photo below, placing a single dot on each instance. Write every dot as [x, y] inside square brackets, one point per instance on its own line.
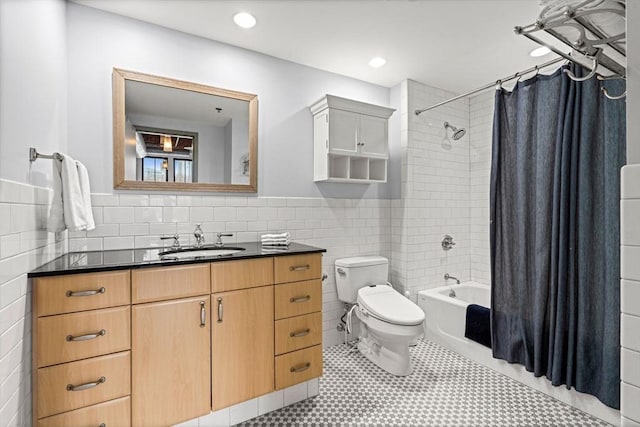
[445, 316]
[444, 324]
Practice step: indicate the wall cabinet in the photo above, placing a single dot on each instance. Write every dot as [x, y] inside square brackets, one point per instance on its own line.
[350, 140]
[159, 346]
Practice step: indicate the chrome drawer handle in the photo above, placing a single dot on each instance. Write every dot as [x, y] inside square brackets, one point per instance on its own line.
[86, 293]
[300, 334]
[299, 267]
[86, 386]
[87, 337]
[102, 425]
[219, 310]
[300, 299]
[203, 314]
[300, 368]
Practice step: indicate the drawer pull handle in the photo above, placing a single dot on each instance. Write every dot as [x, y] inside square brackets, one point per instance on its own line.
[102, 425]
[203, 314]
[86, 386]
[219, 310]
[300, 299]
[87, 337]
[300, 334]
[299, 267]
[86, 293]
[300, 368]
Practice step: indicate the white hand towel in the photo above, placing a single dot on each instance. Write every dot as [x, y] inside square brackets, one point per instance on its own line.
[70, 208]
[55, 222]
[85, 189]
[285, 235]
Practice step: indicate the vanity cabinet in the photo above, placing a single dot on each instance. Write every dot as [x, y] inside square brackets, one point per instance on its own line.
[171, 327]
[158, 346]
[350, 140]
[242, 340]
[298, 319]
[81, 349]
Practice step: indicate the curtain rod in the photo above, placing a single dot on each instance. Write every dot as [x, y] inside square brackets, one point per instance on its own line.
[490, 85]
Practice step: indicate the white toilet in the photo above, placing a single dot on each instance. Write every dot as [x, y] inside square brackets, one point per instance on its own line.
[389, 320]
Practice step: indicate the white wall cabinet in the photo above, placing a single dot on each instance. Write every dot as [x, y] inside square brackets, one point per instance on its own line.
[351, 140]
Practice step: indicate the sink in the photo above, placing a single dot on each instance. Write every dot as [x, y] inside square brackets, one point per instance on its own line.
[191, 252]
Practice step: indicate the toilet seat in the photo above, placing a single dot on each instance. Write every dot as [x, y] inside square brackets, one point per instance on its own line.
[386, 304]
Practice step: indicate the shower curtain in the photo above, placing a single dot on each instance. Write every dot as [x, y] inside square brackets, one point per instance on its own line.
[558, 146]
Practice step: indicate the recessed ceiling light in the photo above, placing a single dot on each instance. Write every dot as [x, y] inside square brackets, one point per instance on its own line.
[244, 20]
[377, 62]
[540, 51]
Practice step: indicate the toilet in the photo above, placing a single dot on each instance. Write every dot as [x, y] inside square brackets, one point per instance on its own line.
[390, 322]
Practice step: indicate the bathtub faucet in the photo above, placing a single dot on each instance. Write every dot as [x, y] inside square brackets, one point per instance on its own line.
[447, 276]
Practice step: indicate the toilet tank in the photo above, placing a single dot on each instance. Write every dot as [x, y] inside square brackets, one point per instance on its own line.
[357, 272]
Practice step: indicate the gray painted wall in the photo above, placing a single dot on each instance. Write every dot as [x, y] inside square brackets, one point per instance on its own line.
[633, 82]
[99, 41]
[33, 84]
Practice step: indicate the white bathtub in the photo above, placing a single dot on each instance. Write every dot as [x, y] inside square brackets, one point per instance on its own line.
[445, 316]
[444, 324]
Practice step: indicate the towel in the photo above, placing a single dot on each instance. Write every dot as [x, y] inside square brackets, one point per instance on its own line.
[478, 324]
[275, 240]
[71, 203]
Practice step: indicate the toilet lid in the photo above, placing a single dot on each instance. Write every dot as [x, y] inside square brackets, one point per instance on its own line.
[388, 305]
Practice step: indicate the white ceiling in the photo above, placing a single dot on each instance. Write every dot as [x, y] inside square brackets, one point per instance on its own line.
[455, 45]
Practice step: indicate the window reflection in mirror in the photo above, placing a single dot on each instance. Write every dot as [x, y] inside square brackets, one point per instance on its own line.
[175, 134]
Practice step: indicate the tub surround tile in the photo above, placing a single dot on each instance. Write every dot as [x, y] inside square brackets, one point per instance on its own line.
[629, 398]
[630, 262]
[629, 336]
[630, 179]
[630, 360]
[626, 422]
[630, 297]
[629, 223]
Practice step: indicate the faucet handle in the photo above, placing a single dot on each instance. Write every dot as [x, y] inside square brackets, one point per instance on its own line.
[219, 238]
[176, 241]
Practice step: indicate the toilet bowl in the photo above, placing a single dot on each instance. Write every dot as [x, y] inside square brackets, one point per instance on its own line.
[389, 321]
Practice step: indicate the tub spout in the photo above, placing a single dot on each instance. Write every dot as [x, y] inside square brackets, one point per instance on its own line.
[447, 276]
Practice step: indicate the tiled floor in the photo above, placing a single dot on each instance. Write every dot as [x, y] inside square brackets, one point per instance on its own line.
[445, 389]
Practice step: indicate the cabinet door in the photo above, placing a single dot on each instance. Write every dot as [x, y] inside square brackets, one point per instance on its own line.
[171, 361]
[242, 346]
[343, 131]
[372, 136]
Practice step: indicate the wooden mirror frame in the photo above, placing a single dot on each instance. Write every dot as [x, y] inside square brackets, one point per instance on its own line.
[119, 118]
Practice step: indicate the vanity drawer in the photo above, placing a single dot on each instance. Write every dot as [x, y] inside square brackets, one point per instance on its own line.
[293, 268]
[75, 336]
[53, 395]
[299, 366]
[79, 292]
[298, 332]
[116, 413]
[164, 283]
[242, 274]
[293, 299]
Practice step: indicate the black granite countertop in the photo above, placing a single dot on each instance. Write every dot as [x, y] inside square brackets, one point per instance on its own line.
[124, 259]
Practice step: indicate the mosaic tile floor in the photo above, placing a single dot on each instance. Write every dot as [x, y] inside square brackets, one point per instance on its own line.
[445, 389]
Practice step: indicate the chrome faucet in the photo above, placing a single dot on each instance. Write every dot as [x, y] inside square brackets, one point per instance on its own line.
[447, 276]
[199, 235]
[219, 242]
[176, 241]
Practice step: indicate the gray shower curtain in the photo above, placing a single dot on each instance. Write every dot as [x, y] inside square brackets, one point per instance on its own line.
[558, 147]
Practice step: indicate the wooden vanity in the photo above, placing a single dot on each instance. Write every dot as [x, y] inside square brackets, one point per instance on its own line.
[160, 345]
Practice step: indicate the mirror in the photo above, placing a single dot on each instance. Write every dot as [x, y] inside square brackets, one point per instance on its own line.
[174, 135]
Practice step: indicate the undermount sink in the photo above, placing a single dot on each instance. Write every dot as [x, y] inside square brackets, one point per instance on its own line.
[198, 252]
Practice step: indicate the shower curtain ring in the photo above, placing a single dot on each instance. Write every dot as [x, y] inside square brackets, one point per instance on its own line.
[595, 58]
[498, 84]
[614, 97]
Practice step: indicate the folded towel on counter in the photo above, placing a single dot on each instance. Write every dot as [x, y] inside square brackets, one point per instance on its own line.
[274, 249]
[478, 324]
[71, 203]
[276, 240]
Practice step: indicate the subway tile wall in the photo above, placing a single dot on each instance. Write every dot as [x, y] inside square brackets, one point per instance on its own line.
[630, 295]
[24, 245]
[481, 129]
[435, 192]
[345, 227]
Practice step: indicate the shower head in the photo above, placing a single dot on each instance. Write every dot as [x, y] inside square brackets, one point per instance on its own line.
[457, 133]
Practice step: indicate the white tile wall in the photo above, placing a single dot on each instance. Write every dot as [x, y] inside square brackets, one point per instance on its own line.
[630, 295]
[24, 245]
[435, 192]
[345, 227]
